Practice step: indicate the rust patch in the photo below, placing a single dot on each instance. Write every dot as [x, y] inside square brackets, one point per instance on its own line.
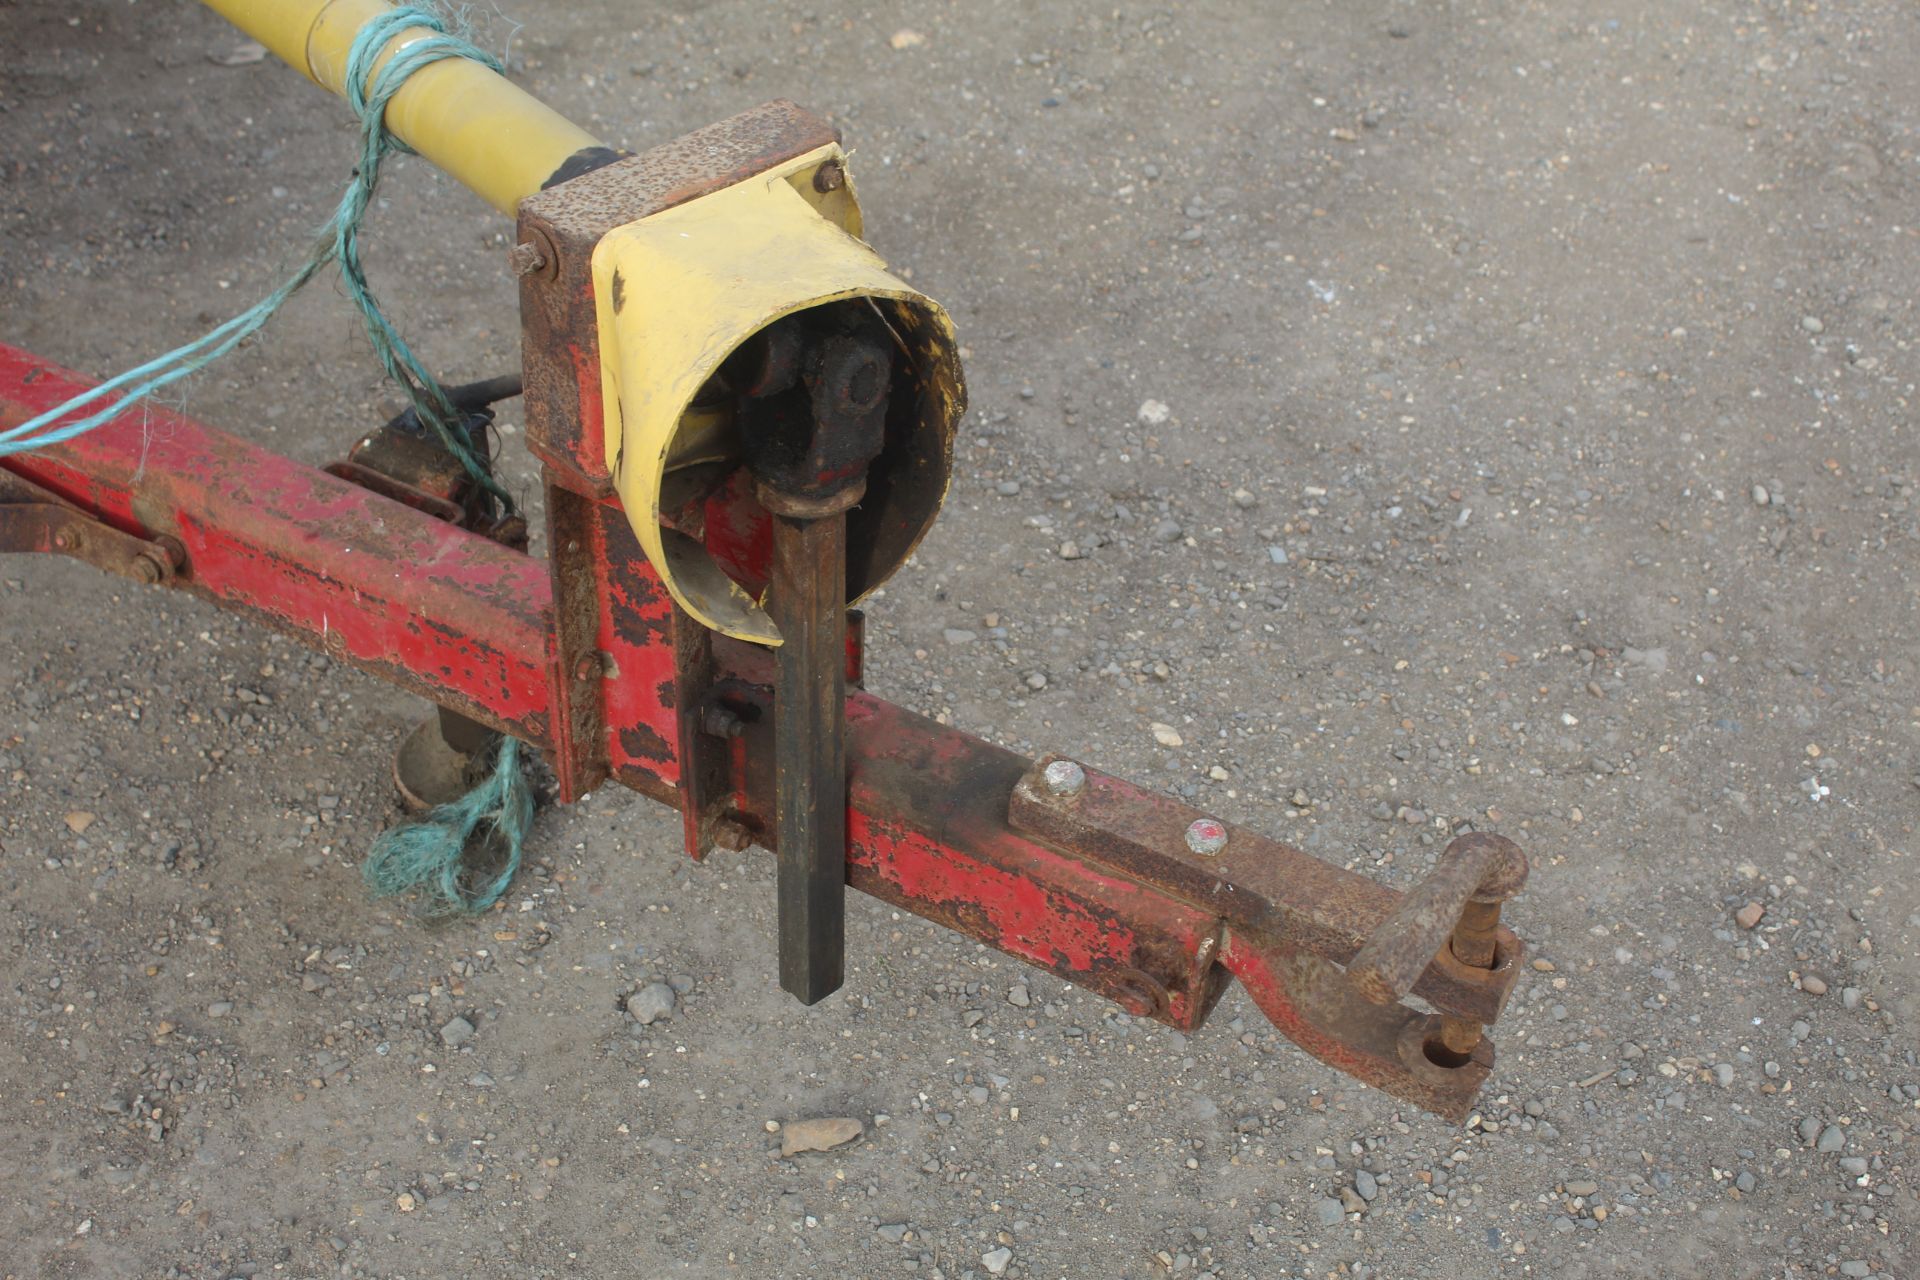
[1255, 883]
[558, 326]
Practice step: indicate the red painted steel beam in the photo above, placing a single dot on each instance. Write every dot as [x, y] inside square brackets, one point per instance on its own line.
[443, 613]
[1098, 888]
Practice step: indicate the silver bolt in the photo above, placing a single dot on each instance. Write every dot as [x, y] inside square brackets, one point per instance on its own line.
[1206, 836]
[1065, 778]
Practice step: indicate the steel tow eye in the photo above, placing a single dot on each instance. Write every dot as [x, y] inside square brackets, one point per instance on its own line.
[1327, 954]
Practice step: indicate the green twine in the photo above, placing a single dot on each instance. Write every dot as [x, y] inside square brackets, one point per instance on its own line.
[430, 855]
[494, 817]
[338, 240]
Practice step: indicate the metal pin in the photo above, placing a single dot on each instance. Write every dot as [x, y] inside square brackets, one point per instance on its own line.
[1206, 836]
[1065, 778]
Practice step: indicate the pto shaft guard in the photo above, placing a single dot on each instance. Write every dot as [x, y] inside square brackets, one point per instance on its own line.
[678, 292]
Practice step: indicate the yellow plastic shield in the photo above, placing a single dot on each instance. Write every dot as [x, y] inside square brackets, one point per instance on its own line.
[678, 292]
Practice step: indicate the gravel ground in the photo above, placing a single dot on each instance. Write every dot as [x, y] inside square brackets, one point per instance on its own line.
[1482, 413]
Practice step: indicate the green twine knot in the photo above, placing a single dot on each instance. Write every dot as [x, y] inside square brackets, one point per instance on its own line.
[431, 855]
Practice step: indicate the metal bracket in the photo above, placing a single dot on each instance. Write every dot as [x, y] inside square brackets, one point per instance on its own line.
[1291, 922]
[33, 519]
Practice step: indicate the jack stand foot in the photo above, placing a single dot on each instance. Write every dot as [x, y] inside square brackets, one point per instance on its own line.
[430, 770]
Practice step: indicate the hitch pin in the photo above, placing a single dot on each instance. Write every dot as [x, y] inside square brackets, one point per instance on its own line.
[1457, 906]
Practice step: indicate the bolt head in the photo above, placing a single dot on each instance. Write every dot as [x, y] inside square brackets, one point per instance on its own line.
[1065, 778]
[525, 258]
[1206, 836]
[830, 176]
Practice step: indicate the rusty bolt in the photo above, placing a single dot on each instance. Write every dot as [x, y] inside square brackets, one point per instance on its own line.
[1139, 994]
[588, 667]
[721, 723]
[1065, 778]
[830, 176]
[62, 540]
[526, 258]
[1206, 836]
[148, 570]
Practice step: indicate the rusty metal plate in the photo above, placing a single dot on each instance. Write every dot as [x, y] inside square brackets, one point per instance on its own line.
[559, 329]
[1254, 883]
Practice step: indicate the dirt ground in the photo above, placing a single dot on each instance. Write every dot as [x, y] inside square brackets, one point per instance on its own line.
[1565, 357]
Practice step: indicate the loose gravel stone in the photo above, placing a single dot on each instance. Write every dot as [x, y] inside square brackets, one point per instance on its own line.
[797, 1136]
[651, 1003]
[456, 1032]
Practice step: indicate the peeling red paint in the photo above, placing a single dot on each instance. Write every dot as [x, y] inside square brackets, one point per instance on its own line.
[440, 611]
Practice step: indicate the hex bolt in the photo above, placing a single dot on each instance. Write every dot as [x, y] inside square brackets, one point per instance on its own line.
[589, 666]
[146, 569]
[62, 540]
[721, 723]
[1206, 836]
[1065, 778]
[525, 258]
[829, 177]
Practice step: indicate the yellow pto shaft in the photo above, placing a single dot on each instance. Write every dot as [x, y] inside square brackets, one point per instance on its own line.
[477, 126]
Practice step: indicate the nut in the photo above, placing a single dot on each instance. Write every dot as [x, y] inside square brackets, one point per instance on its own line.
[719, 722]
[830, 176]
[1206, 836]
[1065, 778]
[1139, 994]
